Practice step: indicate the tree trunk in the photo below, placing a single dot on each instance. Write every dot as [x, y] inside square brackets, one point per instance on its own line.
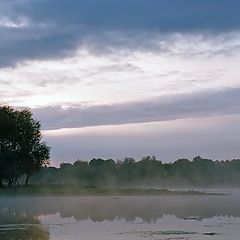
[10, 182]
[16, 182]
[27, 180]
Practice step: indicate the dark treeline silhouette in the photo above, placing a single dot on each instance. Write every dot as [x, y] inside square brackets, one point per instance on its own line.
[147, 172]
[22, 151]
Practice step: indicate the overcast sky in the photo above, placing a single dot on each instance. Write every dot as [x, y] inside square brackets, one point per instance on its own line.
[125, 78]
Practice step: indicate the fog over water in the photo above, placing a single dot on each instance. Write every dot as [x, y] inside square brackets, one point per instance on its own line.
[128, 208]
[151, 217]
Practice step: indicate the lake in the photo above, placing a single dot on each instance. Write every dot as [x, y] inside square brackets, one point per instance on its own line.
[194, 217]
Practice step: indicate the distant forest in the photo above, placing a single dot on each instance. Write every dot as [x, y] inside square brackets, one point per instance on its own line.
[147, 172]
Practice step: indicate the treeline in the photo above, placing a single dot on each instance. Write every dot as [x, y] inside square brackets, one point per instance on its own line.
[147, 172]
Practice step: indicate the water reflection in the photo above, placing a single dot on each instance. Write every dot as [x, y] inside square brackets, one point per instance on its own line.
[24, 233]
[148, 209]
[17, 224]
[28, 218]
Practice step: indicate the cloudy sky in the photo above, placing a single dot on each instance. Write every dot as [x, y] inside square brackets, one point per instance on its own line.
[111, 78]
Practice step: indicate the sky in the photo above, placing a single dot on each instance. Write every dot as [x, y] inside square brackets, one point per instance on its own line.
[129, 78]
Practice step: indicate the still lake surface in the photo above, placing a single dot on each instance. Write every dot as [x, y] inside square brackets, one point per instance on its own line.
[121, 218]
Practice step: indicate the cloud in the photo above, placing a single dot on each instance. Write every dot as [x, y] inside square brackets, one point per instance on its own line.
[58, 27]
[8, 23]
[211, 137]
[164, 15]
[14, 96]
[192, 105]
[120, 77]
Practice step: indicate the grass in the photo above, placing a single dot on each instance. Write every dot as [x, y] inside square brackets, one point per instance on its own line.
[75, 190]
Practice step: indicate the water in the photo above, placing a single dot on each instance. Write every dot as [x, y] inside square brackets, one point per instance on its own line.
[121, 218]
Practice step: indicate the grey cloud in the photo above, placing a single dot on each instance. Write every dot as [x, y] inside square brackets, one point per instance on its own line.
[119, 68]
[165, 15]
[58, 27]
[215, 138]
[15, 92]
[222, 102]
[15, 95]
[18, 45]
[182, 44]
[5, 83]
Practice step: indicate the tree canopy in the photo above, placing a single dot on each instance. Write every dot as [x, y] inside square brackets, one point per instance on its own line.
[147, 171]
[22, 151]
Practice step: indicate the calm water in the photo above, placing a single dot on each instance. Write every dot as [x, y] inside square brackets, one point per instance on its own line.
[121, 218]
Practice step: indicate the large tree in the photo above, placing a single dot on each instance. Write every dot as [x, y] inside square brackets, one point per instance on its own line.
[22, 151]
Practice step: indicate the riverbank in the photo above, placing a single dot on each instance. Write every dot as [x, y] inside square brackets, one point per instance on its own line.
[73, 190]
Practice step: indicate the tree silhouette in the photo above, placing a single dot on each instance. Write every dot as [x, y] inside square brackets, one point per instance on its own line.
[148, 171]
[22, 150]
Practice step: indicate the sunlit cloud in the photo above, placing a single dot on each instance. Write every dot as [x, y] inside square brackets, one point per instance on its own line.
[170, 107]
[19, 23]
[195, 64]
[210, 137]
[103, 68]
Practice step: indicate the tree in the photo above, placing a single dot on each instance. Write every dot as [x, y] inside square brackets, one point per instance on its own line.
[22, 150]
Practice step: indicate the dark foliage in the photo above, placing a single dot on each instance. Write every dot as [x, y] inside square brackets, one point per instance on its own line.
[22, 151]
[147, 172]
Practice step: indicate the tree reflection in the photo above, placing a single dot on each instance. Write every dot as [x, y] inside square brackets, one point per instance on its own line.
[97, 209]
[18, 224]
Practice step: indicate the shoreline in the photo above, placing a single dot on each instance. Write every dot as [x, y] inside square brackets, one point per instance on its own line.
[71, 190]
